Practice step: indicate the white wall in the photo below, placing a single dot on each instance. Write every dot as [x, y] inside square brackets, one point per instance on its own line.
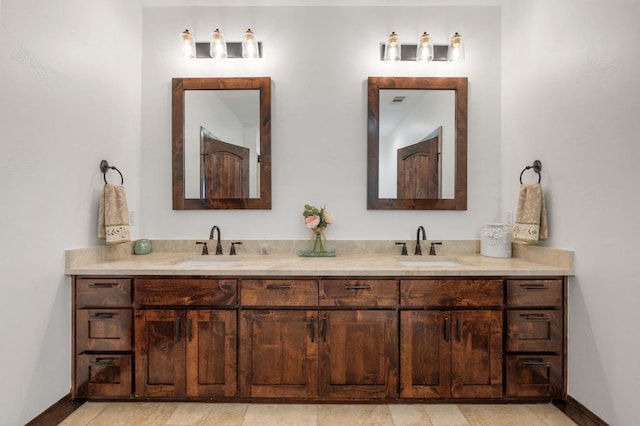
[69, 97]
[319, 59]
[571, 99]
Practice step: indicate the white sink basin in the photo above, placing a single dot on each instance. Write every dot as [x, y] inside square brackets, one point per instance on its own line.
[428, 262]
[207, 261]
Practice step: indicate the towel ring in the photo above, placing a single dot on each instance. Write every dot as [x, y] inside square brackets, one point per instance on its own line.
[104, 167]
[536, 166]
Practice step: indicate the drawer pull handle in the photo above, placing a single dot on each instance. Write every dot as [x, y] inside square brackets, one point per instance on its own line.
[534, 287]
[324, 328]
[102, 285]
[535, 363]
[102, 361]
[101, 315]
[458, 330]
[279, 287]
[357, 287]
[541, 317]
[447, 330]
[313, 329]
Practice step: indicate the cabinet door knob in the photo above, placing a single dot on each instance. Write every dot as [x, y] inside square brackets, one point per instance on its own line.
[447, 330]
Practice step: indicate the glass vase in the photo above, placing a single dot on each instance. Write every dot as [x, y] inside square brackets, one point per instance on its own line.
[318, 245]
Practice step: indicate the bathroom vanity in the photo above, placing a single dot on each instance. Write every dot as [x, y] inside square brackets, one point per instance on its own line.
[352, 328]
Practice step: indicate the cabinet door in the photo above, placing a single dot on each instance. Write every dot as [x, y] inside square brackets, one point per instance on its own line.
[359, 354]
[278, 353]
[211, 353]
[477, 354]
[425, 354]
[160, 353]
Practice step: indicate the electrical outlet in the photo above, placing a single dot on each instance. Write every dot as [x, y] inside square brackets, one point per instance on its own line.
[509, 217]
[132, 218]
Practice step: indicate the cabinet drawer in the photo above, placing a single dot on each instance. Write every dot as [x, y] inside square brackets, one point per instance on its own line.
[534, 376]
[451, 293]
[534, 293]
[103, 375]
[279, 292]
[185, 292]
[359, 293]
[103, 330]
[534, 331]
[103, 292]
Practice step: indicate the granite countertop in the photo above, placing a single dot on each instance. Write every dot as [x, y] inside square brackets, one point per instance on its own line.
[536, 261]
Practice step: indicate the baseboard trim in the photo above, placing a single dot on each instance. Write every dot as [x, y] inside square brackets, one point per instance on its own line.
[578, 412]
[57, 412]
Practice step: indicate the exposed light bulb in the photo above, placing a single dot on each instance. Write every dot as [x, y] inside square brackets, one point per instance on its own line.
[218, 48]
[424, 52]
[455, 52]
[250, 48]
[188, 49]
[392, 49]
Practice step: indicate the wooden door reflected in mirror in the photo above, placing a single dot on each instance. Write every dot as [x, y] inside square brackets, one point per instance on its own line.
[417, 143]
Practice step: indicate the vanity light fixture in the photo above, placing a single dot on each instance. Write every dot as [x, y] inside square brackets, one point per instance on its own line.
[456, 49]
[393, 48]
[217, 48]
[423, 52]
[188, 45]
[250, 49]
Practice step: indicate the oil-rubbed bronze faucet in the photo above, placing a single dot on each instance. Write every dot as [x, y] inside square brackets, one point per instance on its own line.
[418, 250]
[218, 244]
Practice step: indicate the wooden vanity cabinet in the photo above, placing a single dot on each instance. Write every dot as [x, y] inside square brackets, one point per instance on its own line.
[534, 341]
[190, 351]
[452, 346]
[317, 352]
[103, 338]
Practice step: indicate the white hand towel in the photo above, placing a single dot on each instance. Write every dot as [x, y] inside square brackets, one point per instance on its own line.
[531, 217]
[113, 215]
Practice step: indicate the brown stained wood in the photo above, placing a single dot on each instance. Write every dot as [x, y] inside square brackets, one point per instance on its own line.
[358, 354]
[59, 411]
[279, 292]
[460, 85]
[425, 354]
[278, 354]
[104, 330]
[525, 293]
[534, 375]
[420, 170]
[211, 338]
[179, 85]
[225, 168]
[359, 292]
[451, 293]
[104, 375]
[103, 292]
[185, 292]
[534, 331]
[477, 355]
[160, 361]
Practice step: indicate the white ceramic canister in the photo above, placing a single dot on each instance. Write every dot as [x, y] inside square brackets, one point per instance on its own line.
[495, 240]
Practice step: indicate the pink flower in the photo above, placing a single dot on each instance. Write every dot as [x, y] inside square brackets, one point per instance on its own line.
[328, 217]
[312, 221]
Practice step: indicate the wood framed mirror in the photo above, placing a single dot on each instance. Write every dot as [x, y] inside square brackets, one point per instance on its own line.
[221, 143]
[417, 143]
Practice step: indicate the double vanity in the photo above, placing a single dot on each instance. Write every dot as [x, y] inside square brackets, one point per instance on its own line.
[362, 326]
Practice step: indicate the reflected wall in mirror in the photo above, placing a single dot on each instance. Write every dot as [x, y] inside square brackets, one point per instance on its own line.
[221, 143]
[417, 143]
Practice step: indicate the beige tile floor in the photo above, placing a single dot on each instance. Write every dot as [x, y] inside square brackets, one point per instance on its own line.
[186, 414]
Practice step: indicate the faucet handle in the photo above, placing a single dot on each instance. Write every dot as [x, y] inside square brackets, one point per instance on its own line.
[232, 252]
[404, 248]
[205, 250]
[432, 250]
